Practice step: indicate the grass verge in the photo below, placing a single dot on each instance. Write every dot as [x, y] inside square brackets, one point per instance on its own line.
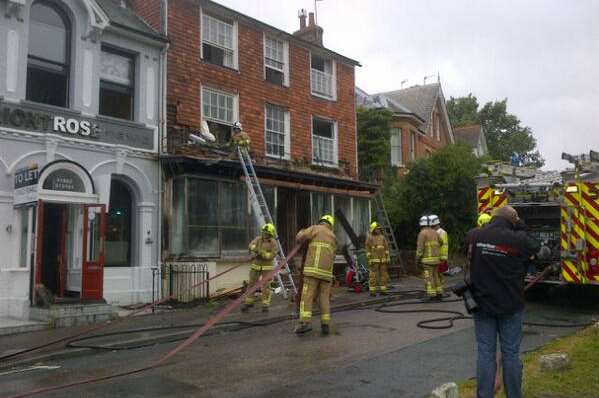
[580, 380]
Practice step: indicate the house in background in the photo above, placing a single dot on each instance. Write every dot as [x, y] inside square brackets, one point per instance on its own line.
[474, 136]
[420, 121]
[294, 98]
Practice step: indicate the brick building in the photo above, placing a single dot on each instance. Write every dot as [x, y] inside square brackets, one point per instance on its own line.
[295, 99]
[420, 122]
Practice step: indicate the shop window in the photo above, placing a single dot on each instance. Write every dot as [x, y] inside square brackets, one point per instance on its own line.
[118, 226]
[117, 73]
[210, 218]
[342, 203]
[49, 54]
[361, 217]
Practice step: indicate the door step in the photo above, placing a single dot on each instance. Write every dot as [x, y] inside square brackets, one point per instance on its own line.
[66, 315]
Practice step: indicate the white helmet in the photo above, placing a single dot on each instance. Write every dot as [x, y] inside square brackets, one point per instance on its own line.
[237, 126]
[424, 221]
[434, 220]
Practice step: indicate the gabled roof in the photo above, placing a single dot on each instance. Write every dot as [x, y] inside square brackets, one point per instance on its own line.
[419, 99]
[378, 101]
[469, 134]
[126, 18]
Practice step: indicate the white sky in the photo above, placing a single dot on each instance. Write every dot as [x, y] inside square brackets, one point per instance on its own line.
[543, 55]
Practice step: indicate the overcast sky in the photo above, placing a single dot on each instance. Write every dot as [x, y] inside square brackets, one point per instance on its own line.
[543, 55]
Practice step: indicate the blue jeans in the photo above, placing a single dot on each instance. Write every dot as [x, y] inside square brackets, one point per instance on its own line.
[509, 328]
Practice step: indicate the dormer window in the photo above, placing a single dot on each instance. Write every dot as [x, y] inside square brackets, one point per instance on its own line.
[219, 41]
[49, 55]
[322, 77]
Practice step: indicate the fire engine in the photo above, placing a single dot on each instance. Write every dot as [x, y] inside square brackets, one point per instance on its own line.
[561, 211]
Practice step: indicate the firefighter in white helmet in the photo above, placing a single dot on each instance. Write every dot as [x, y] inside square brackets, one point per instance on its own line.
[428, 253]
[443, 266]
[264, 247]
[377, 251]
[240, 138]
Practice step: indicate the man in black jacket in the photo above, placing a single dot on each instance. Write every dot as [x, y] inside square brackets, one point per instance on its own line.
[499, 254]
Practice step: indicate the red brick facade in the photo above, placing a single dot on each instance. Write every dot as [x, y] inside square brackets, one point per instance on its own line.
[187, 73]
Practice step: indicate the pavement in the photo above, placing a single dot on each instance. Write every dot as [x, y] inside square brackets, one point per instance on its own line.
[369, 354]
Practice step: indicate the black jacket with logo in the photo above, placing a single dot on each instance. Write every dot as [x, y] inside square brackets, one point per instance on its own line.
[498, 266]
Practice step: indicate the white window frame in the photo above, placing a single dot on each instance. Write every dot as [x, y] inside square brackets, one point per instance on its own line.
[287, 133]
[235, 113]
[396, 156]
[333, 77]
[234, 39]
[26, 212]
[412, 146]
[285, 68]
[335, 140]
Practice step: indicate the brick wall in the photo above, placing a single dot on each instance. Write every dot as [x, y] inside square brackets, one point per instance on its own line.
[149, 10]
[187, 73]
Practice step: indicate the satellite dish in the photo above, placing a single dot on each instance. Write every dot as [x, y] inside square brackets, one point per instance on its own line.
[205, 131]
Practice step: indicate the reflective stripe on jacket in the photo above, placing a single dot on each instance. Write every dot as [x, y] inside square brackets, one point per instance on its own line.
[265, 250]
[322, 248]
[428, 248]
[445, 245]
[377, 249]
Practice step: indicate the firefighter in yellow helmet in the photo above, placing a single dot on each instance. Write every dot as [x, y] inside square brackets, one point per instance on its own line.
[264, 247]
[240, 138]
[428, 253]
[483, 219]
[444, 257]
[377, 251]
[317, 273]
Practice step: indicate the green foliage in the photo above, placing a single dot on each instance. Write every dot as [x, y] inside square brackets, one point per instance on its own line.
[504, 132]
[463, 111]
[442, 184]
[374, 126]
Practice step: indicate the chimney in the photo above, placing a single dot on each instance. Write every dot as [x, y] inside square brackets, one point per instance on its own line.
[312, 32]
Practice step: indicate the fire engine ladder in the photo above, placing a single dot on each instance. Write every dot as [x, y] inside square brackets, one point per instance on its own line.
[260, 208]
[383, 220]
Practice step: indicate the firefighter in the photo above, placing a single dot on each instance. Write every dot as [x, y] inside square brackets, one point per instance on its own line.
[264, 247]
[317, 272]
[377, 251]
[240, 138]
[443, 266]
[483, 219]
[428, 253]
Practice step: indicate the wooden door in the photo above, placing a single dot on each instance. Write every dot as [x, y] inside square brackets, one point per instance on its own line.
[94, 225]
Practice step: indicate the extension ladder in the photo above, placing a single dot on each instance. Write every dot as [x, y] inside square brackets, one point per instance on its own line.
[260, 208]
[383, 219]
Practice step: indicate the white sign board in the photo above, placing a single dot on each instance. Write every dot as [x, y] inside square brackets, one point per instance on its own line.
[26, 185]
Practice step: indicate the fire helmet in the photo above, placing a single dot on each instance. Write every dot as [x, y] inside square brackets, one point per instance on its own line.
[373, 226]
[269, 229]
[328, 219]
[424, 221]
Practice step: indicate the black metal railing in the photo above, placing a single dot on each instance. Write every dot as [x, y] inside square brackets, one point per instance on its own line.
[181, 283]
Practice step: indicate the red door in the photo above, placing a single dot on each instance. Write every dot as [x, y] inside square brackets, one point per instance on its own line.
[94, 224]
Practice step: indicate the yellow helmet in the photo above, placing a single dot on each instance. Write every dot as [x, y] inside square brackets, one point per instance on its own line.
[328, 219]
[268, 228]
[483, 219]
[374, 225]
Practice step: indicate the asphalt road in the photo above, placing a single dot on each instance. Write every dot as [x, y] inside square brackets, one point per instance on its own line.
[369, 354]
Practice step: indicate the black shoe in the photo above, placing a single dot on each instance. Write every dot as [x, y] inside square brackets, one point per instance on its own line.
[264, 309]
[324, 330]
[384, 293]
[303, 328]
[246, 307]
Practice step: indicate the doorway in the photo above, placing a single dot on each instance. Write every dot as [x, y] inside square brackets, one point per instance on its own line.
[53, 249]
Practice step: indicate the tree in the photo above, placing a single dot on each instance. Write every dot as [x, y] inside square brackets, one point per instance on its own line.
[463, 110]
[442, 184]
[504, 132]
[374, 126]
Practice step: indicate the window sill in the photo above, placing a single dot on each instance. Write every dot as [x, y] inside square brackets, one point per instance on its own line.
[51, 108]
[21, 269]
[229, 68]
[323, 97]
[282, 159]
[326, 165]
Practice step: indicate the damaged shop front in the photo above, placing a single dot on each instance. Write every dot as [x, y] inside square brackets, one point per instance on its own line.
[208, 217]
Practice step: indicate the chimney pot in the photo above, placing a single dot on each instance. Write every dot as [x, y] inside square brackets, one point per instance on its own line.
[311, 19]
[302, 18]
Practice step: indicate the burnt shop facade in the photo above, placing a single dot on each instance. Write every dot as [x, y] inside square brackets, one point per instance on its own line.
[80, 105]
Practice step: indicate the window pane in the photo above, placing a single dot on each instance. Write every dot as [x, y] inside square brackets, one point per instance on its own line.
[217, 106]
[203, 241]
[24, 216]
[116, 68]
[321, 205]
[46, 87]
[361, 220]
[202, 202]
[233, 204]
[323, 128]
[118, 227]
[342, 203]
[116, 101]
[48, 34]
[178, 244]
[234, 239]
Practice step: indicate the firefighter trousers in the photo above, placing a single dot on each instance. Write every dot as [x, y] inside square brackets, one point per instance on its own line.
[266, 290]
[378, 276]
[314, 287]
[432, 280]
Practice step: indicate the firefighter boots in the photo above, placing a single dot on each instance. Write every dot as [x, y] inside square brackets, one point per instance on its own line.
[246, 307]
[303, 328]
[324, 329]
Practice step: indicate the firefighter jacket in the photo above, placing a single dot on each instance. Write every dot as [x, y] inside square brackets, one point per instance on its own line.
[445, 245]
[322, 248]
[499, 256]
[241, 139]
[377, 249]
[265, 250]
[428, 249]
